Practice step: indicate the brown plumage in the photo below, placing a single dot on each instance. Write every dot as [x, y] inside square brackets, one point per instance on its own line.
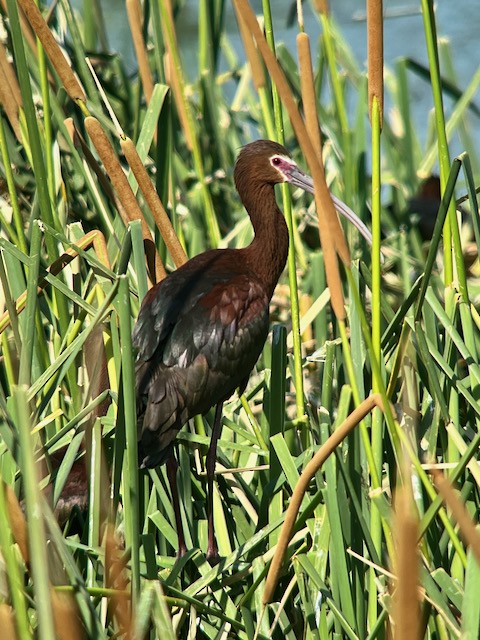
[201, 330]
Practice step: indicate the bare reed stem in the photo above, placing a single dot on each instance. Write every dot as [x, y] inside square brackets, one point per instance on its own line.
[315, 464]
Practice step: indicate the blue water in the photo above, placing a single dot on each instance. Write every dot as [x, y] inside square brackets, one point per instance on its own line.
[458, 22]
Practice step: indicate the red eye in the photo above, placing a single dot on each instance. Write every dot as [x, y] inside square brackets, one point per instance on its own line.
[276, 161]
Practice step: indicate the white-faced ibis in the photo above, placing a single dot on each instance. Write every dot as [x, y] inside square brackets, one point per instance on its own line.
[200, 331]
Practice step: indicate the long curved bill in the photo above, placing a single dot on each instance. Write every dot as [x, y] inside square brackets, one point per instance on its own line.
[298, 178]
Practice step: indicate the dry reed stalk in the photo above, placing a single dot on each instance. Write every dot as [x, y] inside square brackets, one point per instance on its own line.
[375, 55]
[10, 95]
[7, 622]
[256, 66]
[131, 210]
[322, 195]
[470, 533]
[116, 580]
[55, 54]
[95, 238]
[96, 364]
[322, 7]
[100, 247]
[66, 616]
[17, 523]
[324, 200]
[305, 306]
[406, 605]
[308, 91]
[12, 87]
[156, 207]
[315, 464]
[72, 132]
[134, 13]
[9, 106]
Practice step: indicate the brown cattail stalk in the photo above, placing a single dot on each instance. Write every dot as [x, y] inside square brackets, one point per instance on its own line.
[156, 207]
[100, 247]
[256, 66]
[125, 194]
[313, 467]
[322, 195]
[10, 96]
[305, 306]
[57, 59]
[470, 533]
[116, 580]
[7, 622]
[134, 13]
[308, 91]
[96, 364]
[10, 77]
[375, 55]
[406, 605]
[311, 121]
[322, 7]
[66, 616]
[17, 523]
[9, 106]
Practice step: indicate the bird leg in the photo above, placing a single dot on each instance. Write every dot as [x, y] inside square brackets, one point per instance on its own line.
[172, 466]
[212, 549]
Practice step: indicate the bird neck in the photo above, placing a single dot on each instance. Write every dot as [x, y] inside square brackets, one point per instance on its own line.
[267, 253]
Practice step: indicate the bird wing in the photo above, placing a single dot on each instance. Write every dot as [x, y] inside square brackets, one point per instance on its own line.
[225, 324]
[198, 308]
[166, 302]
[198, 336]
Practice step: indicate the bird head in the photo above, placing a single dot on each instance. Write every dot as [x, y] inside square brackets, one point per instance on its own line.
[268, 162]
